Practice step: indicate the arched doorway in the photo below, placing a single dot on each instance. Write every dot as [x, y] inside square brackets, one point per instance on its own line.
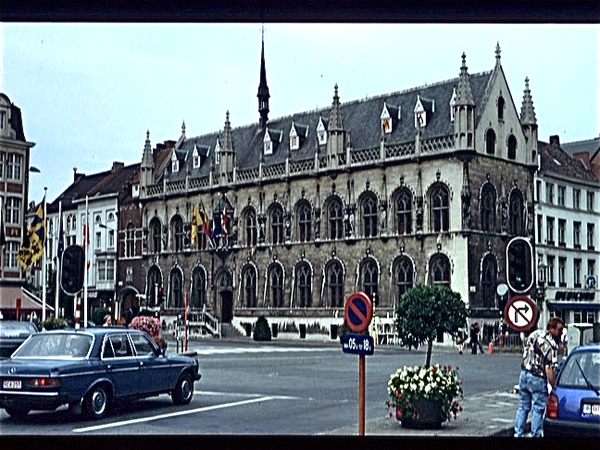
[225, 295]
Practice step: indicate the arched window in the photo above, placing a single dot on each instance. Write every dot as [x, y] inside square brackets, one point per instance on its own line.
[177, 230]
[490, 142]
[439, 270]
[250, 227]
[68, 222]
[500, 108]
[176, 289]
[249, 286]
[276, 217]
[334, 275]
[515, 223]
[335, 213]
[74, 222]
[488, 282]
[155, 235]
[130, 236]
[275, 280]
[488, 208]
[304, 221]
[512, 147]
[153, 286]
[369, 215]
[370, 280]
[198, 288]
[403, 276]
[440, 208]
[404, 212]
[303, 285]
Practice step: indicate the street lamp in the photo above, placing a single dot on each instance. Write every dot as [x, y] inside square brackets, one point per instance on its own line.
[116, 273]
[541, 290]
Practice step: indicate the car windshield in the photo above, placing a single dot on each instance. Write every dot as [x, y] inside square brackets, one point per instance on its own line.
[16, 329]
[572, 376]
[55, 345]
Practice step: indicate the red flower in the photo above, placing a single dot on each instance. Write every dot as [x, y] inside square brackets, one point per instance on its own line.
[392, 404]
[398, 414]
[434, 369]
[449, 367]
[390, 414]
[398, 394]
[460, 408]
[418, 416]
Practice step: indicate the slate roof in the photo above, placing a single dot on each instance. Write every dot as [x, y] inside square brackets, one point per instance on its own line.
[101, 183]
[556, 160]
[590, 146]
[16, 121]
[362, 122]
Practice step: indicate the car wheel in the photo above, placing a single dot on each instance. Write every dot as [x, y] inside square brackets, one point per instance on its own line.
[17, 413]
[95, 404]
[184, 390]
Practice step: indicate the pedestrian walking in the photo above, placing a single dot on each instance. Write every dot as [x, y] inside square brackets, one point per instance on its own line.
[538, 368]
[461, 337]
[107, 321]
[474, 333]
[478, 330]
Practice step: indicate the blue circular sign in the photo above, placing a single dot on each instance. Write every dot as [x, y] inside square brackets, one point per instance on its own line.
[359, 312]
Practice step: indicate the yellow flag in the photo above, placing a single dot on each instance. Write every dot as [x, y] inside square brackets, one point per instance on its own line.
[195, 225]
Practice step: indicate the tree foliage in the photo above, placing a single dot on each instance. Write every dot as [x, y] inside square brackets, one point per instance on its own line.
[262, 332]
[425, 311]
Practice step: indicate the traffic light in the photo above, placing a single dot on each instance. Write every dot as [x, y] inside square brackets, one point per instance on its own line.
[519, 265]
[71, 278]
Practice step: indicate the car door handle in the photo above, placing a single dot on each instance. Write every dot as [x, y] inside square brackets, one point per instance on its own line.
[141, 363]
[109, 368]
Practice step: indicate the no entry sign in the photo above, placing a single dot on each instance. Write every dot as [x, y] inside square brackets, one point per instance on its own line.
[520, 313]
[359, 312]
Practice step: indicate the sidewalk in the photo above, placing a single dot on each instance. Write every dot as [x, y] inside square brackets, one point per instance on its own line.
[486, 415]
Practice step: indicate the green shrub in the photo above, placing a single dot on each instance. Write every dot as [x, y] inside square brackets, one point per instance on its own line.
[98, 315]
[54, 323]
[262, 332]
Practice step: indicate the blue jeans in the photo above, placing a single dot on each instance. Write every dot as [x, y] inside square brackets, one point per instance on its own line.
[533, 396]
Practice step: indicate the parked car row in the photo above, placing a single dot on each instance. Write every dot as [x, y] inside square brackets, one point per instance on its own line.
[91, 368]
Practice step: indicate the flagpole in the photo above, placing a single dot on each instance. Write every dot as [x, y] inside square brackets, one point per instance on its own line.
[44, 269]
[58, 262]
[85, 271]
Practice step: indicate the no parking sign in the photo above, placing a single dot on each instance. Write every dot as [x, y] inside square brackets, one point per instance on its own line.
[359, 312]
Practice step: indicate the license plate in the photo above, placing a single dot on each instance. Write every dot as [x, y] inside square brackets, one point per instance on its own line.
[593, 410]
[11, 384]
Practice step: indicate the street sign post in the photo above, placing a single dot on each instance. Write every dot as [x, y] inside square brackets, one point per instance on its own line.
[520, 313]
[359, 312]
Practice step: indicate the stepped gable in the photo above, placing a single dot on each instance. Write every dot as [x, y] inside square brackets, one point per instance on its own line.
[556, 160]
[361, 119]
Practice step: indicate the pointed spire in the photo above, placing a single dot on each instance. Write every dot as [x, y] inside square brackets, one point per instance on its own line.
[527, 110]
[335, 119]
[147, 158]
[183, 128]
[227, 137]
[464, 93]
[263, 90]
[498, 51]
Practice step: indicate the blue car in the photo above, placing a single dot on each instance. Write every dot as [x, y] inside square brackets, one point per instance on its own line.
[89, 369]
[573, 407]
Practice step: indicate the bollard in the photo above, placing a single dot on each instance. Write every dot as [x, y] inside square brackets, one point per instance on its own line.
[491, 348]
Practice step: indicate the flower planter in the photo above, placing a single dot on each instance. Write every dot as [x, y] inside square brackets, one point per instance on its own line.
[427, 413]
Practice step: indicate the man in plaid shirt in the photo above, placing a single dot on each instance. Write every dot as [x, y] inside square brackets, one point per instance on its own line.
[538, 368]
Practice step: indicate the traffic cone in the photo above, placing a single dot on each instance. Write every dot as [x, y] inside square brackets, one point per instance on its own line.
[491, 348]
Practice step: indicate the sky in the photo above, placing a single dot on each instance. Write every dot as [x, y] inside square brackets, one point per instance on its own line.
[88, 92]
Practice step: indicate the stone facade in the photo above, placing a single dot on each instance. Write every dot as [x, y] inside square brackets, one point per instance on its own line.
[425, 185]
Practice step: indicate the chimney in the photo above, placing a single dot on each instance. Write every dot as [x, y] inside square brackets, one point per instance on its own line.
[77, 176]
[555, 139]
[117, 165]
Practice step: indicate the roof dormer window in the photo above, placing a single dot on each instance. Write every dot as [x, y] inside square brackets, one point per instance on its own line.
[268, 144]
[174, 163]
[386, 120]
[420, 114]
[218, 152]
[294, 138]
[453, 105]
[321, 132]
[195, 158]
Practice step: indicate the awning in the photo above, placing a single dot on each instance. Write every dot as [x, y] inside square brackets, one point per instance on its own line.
[10, 294]
[574, 305]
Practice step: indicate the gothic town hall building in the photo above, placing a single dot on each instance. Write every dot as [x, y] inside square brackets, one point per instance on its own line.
[424, 185]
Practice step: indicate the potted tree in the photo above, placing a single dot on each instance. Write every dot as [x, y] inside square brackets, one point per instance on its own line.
[426, 396]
